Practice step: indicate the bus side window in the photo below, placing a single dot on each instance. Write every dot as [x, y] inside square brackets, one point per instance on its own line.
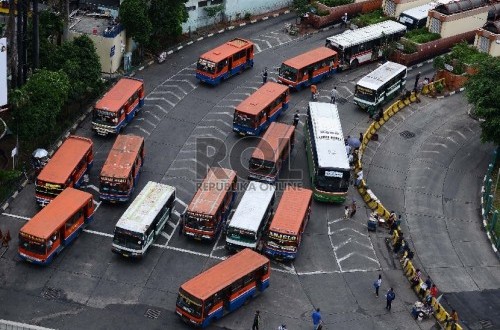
[248, 279]
[236, 286]
[73, 220]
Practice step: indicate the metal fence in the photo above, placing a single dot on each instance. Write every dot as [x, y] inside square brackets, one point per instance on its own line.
[489, 212]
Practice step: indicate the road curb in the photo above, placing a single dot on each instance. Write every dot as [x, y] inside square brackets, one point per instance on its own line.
[178, 47]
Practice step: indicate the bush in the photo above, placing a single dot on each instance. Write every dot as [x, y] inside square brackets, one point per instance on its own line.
[421, 36]
[439, 87]
[248, 16]
[461, 55]
[318, 11]
[335, 3]
[8, 179]
[409, 47]
[370, 18]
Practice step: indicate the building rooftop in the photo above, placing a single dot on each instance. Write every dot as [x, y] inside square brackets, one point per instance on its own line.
[97, 23]
[460, 6]
[492, 26]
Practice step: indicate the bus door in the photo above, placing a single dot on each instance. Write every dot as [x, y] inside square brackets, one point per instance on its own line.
[249, 54]
[310, 74]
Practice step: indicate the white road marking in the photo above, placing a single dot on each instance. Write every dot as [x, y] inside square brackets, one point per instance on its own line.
[175, 86]
[267, 42]
[193, 86]
[91, 186]
[258, 48]
[98, 233]
[180, 202]
[15, 216]
[161, 108]
[141, 129]
[172, 104]
[171, 224]
[152, 114]
[164, 234]
[168, 92]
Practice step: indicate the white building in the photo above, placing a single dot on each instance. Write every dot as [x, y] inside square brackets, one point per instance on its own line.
[233, 10]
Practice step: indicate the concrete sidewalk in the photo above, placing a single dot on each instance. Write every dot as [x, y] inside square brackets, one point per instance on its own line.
[427, 165]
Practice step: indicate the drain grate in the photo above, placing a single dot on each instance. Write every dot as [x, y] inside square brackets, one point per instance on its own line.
[407, 134]
[486, 324]
[152, 313]
[51, 293]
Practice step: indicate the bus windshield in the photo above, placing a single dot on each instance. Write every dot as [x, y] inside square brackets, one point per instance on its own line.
[103, 117]
[206, 66]
[331, 183]
[244, 119]
[195, 222]
[128, 239]
[365, 93]
[288, 72]
[241, 235]
[48, 188]
[288, 243]
[189, 303]
[262, 166]
[110, 187]
[35, 247]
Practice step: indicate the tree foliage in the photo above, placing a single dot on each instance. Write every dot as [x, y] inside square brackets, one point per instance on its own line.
[38, 103]
[301, 7]
[135, 19]
[167, 17]
[483, 91]
[213, 11]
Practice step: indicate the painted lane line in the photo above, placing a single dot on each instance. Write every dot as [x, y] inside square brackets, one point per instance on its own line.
[141, 129]
[153, 114]
[161, 108]
[15, 216]
[175, 86]
[171, 224]
[221, 121]
[193, 86]
[176, 213]
[164, 234]
[172, 104]
[98, 233]
[97, 206]
[170, 93]
[180, 202]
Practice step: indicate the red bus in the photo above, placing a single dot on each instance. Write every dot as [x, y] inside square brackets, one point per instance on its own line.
[223, 288]
[288, 224]
[55, 226]
[259, 110]
[121, 170]
[225, 61]
[208, 210]
[271, 152]
[308, 68]
[118, 106]
[65, 169]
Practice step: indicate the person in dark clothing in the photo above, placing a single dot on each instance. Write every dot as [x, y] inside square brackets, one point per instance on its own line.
[353, 209]
[316, 318]
[296, 119]
[417, 78]
[390, 298]
[264, 76]
[256, 321]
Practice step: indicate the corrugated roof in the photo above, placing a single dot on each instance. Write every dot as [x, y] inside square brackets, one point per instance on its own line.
[310, 57]
[122, 156]
[291, 209]
[261, 98]
[223, 274]
[65, 160]
[459, 6]
[114, 99]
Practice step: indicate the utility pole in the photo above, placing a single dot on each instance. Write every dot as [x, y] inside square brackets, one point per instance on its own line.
[26, 8]
[19, 42]
[36, 36]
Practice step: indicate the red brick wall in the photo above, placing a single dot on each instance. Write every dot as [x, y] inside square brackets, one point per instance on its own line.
[453, 82]
[336, 13]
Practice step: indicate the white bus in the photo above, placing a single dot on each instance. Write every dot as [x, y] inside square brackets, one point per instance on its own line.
[416, 17]
[143, 220]
[379, 86]
[365, 44]
[326, 154]
[251, 217]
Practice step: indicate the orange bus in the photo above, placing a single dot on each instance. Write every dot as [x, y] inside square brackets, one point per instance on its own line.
[309, 68]
[223, 288]
[65, 169]
[55, 226]
[118, 106]
[259, 110]
[288, 224]
[208, 210]
[271, 152]
[121, 170]
[225, 61]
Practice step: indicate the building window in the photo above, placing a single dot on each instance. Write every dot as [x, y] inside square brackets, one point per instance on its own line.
[484, 44]
[191, 8]
[216, 2]
[390, 8]
[202, 3]
[434, 25]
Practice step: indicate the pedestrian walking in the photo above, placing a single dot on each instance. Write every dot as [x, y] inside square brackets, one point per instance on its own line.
[377, 284]
[346, 212]
[348, 148]
[6, 239]
[434, 291]
[314, 92]
[359, 177]
[344, 20]
[316, 318]
[390, 296]
[417, 78]
[334, 95]
[353, 209]
[264, 76]
[296, 119]
[256, 321]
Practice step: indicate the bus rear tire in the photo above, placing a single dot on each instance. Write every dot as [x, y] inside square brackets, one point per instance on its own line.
[354, 64]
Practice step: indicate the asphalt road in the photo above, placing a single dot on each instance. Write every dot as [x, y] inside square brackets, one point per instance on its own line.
[89, 287]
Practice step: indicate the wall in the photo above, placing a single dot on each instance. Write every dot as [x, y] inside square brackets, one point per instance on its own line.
[337, 12]
[402, 5]
[198, 18]
[466, 21]
[494, 39]
[103, 47]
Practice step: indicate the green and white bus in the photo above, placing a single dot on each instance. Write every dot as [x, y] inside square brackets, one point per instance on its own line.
[380, 86]
[326, 153]
[251, 217]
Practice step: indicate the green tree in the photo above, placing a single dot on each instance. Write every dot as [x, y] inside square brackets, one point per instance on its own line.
[38, 103]
[301, 7]
[135, 19]
[167, 17]
[483, 91]
[213, 11]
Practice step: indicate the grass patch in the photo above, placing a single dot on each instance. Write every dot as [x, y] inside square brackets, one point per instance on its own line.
[370, 18]
[422, 35]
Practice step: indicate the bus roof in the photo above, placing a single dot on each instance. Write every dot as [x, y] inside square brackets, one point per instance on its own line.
[122, 156]
[228, 49]
[212, 191]
[420, 12]
[119, 94]
[381, 75]
[355, 37]
[291, 210]
[310, 57]
[330, 145]
[253, 206]
[55, 214]
[261, 98]
[272, 143]
[223, 274]
[65, 159]
[145, 207]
